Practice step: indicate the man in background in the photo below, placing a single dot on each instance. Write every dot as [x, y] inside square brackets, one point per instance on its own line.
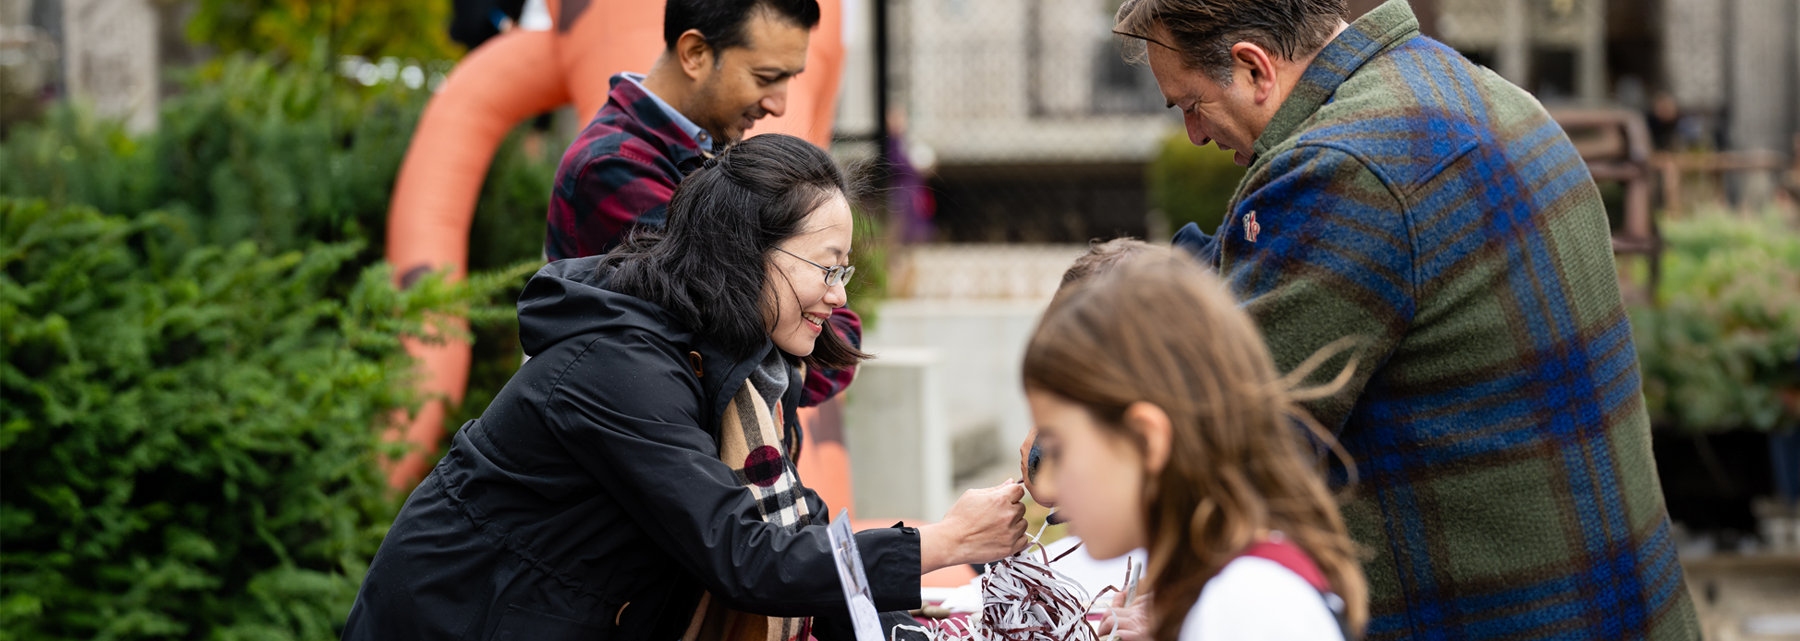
[726, 65]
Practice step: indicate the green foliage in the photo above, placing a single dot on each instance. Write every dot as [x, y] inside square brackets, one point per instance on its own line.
[508, 228]
[515, 197]
[193, 390]
[249, 151]
[1722, 351]
[870, 257]
[286, 156]
[1192, 184]
[189, 434]
[301, 30]
[71, 156]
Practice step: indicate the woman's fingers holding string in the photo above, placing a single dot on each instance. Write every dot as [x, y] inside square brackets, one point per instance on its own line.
[1013, 509]
[988, 522]
[1014, 494]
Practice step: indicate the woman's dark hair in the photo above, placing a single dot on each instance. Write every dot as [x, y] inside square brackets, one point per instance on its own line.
[708, 264]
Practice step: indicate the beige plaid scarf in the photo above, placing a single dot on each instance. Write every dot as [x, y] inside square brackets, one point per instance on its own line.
[751, 441]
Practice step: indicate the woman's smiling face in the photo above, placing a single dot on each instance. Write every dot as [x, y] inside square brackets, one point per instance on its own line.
[801, 302]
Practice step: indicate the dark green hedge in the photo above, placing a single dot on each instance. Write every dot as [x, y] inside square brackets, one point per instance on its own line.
[189, 433]
[285, 155]
[193, 389]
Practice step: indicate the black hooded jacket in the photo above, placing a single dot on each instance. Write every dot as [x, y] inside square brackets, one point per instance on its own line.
[589, 502]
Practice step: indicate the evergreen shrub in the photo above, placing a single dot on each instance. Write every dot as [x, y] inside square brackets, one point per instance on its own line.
[285, 155]
[1721, 350]
[189, 433]
[248, 150]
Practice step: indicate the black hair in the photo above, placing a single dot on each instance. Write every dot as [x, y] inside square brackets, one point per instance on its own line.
[708, 264]
[722, 22]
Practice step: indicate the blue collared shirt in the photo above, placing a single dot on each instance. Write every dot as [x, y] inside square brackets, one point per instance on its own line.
[687, 126]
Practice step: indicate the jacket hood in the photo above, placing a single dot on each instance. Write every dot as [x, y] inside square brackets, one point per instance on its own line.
[567, 298]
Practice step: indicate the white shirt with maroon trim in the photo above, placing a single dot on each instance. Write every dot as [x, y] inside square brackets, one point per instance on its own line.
[1256, 599]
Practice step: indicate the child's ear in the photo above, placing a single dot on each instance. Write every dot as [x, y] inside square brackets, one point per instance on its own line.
[1153, 424]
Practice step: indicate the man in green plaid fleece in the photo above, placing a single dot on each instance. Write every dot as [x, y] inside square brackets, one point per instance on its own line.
[1399, 193]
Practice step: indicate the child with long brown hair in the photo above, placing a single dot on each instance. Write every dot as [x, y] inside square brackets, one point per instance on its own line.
[1182, 437]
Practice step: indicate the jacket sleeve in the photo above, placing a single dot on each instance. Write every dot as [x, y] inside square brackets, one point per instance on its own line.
[837, 628]
[593, 207]
[632, 419]
[1317, 250]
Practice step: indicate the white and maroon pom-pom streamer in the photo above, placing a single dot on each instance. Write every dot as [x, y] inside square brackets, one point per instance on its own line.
[1024, 599]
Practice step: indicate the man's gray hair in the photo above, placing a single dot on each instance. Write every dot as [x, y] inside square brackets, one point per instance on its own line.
[1202, 32]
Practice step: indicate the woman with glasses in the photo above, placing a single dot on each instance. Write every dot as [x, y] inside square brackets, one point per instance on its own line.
[635, 479]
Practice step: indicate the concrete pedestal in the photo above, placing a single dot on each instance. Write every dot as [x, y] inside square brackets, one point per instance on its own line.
[898, 437]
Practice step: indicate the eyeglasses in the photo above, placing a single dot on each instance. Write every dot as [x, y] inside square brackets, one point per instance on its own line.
[834, 276]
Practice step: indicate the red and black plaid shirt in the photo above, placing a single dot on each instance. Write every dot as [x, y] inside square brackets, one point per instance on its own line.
[621, 172]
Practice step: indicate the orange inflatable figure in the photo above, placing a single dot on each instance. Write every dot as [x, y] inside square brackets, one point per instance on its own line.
[512, 77]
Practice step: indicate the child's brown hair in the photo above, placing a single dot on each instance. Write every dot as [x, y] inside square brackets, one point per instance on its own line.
[1159, 328]
[1102, 257]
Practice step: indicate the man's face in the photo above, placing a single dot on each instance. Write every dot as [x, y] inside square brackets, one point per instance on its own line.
[750, 82]
[1225, 115]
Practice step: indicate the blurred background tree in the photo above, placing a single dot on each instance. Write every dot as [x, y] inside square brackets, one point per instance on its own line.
[247, 150]
[296, 30]
[1722, 349]
[1191, 184]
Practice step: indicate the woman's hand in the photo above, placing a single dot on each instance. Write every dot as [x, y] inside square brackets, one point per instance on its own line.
[984, 526]
[1127, 624]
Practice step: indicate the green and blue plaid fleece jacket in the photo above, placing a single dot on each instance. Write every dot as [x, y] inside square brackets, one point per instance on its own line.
[1507, 489]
